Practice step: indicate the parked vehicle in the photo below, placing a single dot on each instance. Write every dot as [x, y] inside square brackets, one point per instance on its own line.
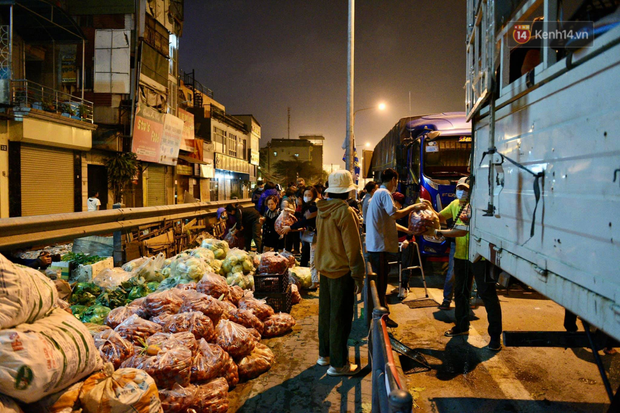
[430, 153]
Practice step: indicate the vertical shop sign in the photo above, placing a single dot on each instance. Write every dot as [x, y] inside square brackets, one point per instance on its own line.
[147, 134]
[171, 140]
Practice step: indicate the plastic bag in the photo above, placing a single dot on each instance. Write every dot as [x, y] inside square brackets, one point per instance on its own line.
[189, 286]
[120, 314]
[150, 269]
[195, 322]
[210, 362]
[278, 324]
[111, 278]
[272, 263]
[295, 295]
[168, 302]
[46, 356]
[425, 221]
[247, 319]
[302, 276]
[167, 341]
[209, 306]
[236, 294]
[212, 397]
[231, 373]
[140, 306]
[189, 267]
[177, 399]
[95, 329]
[229, 308]
[204, 253]
[219, 248]
[289, 257]
[234, 339]
[286, 218]
[260, 308]
[258, 362]
[113, 348]
[123, 390]
[136, 329]
[213, 285]
[255, 333]
[171, 365]
[132, 265]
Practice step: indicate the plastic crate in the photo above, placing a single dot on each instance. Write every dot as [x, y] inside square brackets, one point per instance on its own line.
[271, 283]
[280, 302]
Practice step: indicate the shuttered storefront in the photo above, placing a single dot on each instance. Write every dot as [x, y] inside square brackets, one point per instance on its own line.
[156, 185]
[47, 181]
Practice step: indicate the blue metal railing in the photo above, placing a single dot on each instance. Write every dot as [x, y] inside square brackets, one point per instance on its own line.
[389, 395]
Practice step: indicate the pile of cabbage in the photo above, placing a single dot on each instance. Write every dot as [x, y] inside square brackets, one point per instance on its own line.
[238, 268]
[91, 302]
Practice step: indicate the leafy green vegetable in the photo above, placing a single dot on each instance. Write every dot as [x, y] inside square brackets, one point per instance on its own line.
[81, 258]
[131, 283]
[78, 310]
[85, 294]
[138, 292]
[95, 314]
[152, 286]
[112, 299]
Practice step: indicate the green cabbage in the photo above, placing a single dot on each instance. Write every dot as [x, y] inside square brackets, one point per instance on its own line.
[78, 310]
[113, 298]
[95, 314]
[85, 294]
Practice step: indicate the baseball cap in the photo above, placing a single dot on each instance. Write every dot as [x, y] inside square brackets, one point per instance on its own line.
[398, 197]
[340, 182]
[463, 182]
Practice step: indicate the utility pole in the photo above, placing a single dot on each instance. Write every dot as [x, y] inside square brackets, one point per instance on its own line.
[289, 123]
[350, 88]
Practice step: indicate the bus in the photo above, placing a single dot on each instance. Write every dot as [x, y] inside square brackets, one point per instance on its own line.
[430, 153]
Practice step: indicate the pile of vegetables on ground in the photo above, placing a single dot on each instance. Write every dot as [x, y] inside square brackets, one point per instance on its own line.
[185, 329]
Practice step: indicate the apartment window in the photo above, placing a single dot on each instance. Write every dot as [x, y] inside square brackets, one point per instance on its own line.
[231, 146]
[219, 139]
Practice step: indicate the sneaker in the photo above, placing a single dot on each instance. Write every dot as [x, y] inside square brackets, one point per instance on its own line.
[348, 370]
[403, 292]
[323, 361]
[445, 305]
[453, 332]
[391, 323]
[495, 345]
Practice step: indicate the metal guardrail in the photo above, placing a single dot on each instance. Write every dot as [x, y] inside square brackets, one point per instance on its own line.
[388, 392]
[27, 93]
[40, 229]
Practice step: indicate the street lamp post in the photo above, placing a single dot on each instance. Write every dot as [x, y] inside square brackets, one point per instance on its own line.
[351, 149]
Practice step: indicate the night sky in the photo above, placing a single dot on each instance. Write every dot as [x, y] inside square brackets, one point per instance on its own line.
[262, 56]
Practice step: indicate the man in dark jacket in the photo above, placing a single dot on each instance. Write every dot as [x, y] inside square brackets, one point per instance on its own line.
[258, 190]
[250, 220]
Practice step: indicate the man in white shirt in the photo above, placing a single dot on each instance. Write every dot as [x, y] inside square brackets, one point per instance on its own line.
[382, 231]
[93, 202]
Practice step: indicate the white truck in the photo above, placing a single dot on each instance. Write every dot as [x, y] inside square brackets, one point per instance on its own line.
[546, 149]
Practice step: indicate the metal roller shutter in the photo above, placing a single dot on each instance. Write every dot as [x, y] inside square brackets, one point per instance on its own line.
[47, 181]
[156, 183]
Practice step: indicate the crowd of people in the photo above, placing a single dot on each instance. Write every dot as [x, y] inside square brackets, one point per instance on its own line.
[330, 221]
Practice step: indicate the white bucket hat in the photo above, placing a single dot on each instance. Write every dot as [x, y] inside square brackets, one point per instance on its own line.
[340, 182]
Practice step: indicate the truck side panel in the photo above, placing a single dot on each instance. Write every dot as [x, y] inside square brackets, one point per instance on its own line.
[570, 128]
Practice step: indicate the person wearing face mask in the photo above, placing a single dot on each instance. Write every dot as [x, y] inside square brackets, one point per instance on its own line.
[308, 222]
[381, 233]
[465, 271]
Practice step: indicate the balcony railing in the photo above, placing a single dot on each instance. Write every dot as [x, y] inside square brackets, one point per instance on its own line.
[28, 94]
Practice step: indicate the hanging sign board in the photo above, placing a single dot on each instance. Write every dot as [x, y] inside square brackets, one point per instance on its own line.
[171, 140]
[147, 134]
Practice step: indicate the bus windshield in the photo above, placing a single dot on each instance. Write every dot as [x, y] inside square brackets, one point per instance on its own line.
[446, 156]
